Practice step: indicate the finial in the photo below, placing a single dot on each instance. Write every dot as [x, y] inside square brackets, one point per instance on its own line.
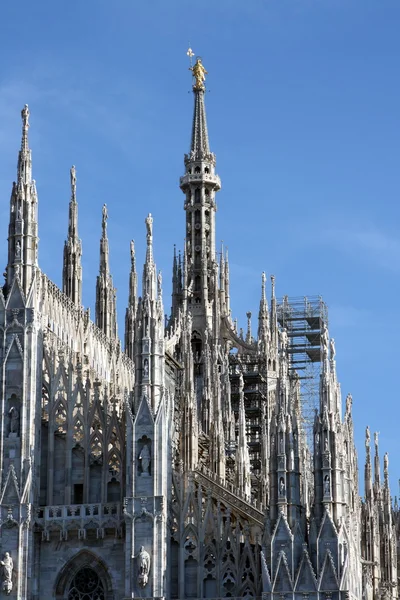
[273, 286]
[248, 336]
[332, 348]
[199, 73]
[386, 463]
[25, 126]
[104, 218]
[367, 437]
[25, 116]
[149, 225]
[72, 173]
[241, 383]
[263, 278]
[349, 403]
[159, 284]
[133, 253]
[376, 440]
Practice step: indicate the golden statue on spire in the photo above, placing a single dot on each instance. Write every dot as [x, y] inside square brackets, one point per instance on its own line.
[198, 71]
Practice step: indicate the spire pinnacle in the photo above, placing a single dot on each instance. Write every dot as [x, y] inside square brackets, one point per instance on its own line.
[25, 126]
[249, 337]
[377, 466]
[23, 227]
[263, 278]
[367, 441]
[106, 311]
[149, 227]
[104, 220]
[72, 269]
[104, 257]
[133, 258]
[368, 474]
[73, 183]
[24, 158]
[130, 314]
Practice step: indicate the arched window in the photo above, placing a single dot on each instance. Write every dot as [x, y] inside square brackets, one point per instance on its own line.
[86, 585]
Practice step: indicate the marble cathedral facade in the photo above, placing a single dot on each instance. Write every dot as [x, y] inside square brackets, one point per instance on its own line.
[177, 467]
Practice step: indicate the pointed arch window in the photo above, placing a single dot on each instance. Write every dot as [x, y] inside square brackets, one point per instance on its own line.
[86, 585]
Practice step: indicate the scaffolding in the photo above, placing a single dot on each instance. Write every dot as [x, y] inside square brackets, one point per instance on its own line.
[305, 320]
[255, 401]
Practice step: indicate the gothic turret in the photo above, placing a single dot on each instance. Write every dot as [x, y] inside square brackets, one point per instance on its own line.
[72, 268]
[149, 334]
[106, 309]
[22, 231]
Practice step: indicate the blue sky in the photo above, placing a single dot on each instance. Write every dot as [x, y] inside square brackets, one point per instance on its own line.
[303, 114]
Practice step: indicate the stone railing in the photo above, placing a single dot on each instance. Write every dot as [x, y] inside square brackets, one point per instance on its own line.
[78, 511]
[80, 518]
[228, 493]
[193, 177]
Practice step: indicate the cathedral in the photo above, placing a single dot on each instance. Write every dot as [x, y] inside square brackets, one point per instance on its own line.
[187, 461]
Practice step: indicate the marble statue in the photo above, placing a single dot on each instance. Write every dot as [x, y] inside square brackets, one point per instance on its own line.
[7, 571]
[145, 459]
[14, 419]
[144, 567]
[73, 180]
[367, 437]
[146, 367]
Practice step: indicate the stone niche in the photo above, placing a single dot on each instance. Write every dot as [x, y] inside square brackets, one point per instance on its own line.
[144, 465]
[12, 417]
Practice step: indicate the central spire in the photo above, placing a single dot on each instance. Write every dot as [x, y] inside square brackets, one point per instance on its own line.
[199, 184]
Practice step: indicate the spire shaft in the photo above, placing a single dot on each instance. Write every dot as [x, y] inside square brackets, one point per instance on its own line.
[72, 269]
[22, 231]
[106, 310]
[199, 146]
[130, 315]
